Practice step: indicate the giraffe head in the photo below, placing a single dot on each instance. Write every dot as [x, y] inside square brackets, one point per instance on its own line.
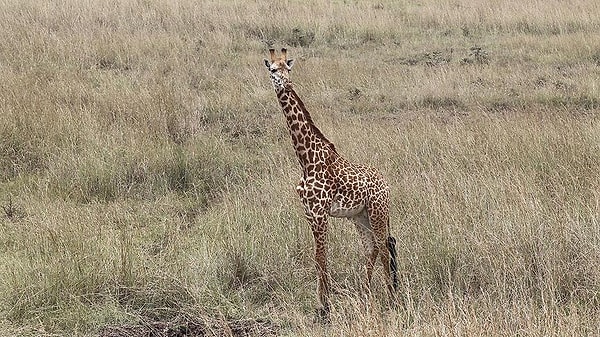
[280, 70]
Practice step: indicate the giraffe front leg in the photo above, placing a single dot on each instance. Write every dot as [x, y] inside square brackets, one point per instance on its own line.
[319, 229]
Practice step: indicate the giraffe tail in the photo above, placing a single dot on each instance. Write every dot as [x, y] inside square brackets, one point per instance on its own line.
[391, 245]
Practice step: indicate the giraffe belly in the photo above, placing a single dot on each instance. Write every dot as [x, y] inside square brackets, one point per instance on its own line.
[343, 207]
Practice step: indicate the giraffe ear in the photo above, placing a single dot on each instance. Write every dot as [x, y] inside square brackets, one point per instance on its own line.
[289, 63]
[267, 63]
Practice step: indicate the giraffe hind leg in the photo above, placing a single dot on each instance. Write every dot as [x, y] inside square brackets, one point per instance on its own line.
[363, 227]
[378, 216]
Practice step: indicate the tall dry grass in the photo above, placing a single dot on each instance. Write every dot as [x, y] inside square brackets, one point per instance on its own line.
[146, 173]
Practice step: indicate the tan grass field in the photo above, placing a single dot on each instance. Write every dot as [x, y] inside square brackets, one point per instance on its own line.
[147, 177]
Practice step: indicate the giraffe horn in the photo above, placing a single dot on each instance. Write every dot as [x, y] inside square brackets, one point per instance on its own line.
[272, 52]
[284, 53]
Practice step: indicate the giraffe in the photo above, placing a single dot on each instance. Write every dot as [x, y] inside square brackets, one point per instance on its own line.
[332, 186]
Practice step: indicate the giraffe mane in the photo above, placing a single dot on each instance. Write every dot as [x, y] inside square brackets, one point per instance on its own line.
[309, 120]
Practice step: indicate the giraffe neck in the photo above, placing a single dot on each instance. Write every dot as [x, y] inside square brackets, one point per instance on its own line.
[310, 145]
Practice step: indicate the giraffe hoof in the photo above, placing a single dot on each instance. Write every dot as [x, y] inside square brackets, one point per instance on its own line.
[323, 315]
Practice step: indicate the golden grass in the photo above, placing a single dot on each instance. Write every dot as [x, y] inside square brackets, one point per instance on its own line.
[146, 173]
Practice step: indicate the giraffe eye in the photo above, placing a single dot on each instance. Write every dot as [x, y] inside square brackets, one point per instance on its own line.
[273, 70]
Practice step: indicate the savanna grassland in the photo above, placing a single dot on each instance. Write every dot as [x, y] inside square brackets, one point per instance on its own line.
[146, 174]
